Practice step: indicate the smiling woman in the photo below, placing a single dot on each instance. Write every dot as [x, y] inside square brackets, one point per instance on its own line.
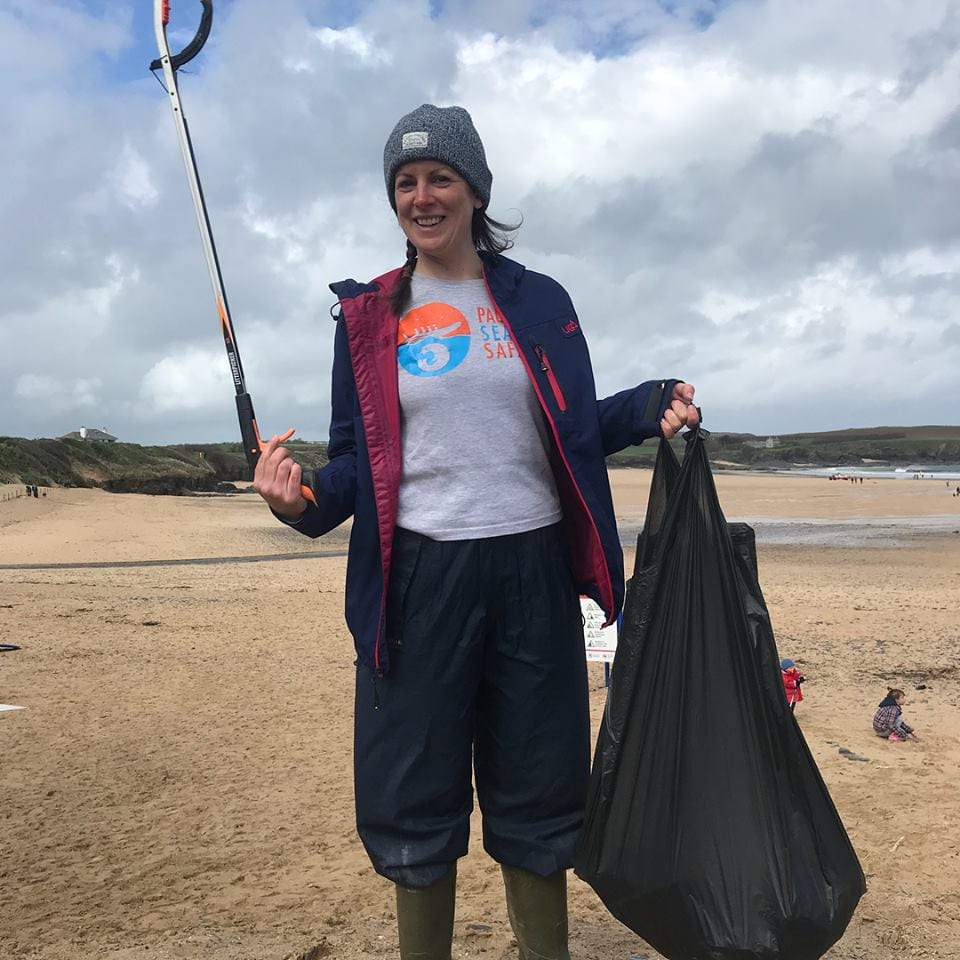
[468, 444]
[435, 208]
[440, 193]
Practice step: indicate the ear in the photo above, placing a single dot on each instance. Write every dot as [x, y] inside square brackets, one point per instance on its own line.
[477, 203]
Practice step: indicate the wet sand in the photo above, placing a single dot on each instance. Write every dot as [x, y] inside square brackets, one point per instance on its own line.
[179, 784]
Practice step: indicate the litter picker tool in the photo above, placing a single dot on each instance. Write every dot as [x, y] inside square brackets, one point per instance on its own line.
[169, 64]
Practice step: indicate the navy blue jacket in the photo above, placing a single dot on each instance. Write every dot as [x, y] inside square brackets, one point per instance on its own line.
[362, 478]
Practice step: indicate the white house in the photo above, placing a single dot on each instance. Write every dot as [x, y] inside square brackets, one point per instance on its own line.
[90, 433]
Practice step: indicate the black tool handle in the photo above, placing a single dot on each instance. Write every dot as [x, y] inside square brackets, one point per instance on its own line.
[252, 445]
[196, 44]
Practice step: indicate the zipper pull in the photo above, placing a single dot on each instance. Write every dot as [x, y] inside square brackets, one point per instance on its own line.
[541, 356]
[546, 370]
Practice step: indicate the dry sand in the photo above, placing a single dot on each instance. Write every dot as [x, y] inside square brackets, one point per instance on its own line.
[179, 784]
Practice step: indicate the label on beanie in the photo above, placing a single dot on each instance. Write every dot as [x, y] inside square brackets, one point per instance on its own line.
[411, 141]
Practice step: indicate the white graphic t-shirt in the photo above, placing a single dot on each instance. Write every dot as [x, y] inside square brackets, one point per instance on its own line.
[476, 446]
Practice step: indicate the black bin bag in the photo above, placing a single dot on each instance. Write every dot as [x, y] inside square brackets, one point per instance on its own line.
[709, 831]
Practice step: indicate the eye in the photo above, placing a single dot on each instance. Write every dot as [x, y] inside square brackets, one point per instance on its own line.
[442, 178]
[405, 183]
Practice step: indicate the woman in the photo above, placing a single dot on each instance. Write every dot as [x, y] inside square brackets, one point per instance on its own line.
[468, 445]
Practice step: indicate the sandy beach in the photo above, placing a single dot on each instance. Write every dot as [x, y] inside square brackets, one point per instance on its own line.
[179, 784]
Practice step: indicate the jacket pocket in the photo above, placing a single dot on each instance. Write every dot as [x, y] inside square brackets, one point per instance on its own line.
[407, 547]
[547, 370]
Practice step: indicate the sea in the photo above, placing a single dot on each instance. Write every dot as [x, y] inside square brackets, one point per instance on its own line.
[916, 471]
[852, 531]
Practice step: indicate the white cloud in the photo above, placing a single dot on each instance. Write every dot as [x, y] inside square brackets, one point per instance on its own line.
[133, 179]
[354, 42]
[57, 396]
[925, 262]
[191, 379]
[761, 206]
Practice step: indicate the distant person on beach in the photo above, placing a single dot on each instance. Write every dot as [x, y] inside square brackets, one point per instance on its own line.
[468, 444]
[792, 680]
[888, 721]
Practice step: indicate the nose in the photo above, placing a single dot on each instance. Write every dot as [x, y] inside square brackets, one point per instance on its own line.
[422, 195]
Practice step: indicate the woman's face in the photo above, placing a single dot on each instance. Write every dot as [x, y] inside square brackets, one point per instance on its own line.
[435, 208]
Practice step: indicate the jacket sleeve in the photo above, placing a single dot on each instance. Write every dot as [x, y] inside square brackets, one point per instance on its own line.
[632, 416]
[335, 484]
[901, 725]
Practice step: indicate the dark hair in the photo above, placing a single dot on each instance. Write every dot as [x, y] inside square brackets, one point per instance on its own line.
[488, 234]
[895, 692]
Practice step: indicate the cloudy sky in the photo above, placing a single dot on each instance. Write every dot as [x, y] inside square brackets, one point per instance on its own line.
[759, 196]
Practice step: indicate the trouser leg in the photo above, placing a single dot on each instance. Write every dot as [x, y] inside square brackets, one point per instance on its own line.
[413, 730]
[532, 750]
[425, 919]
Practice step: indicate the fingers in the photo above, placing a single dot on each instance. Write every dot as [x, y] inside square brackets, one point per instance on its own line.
[681, 413]
[265, 473]
[683, 392]
[277, 479]
[671, 421]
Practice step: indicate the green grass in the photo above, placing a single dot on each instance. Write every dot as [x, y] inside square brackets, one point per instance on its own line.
[129, 467]
[899, 446]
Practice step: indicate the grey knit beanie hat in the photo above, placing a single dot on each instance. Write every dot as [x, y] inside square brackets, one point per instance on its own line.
[446, 134]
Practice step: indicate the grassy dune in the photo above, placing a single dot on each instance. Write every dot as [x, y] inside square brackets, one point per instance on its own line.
[898, 446]
[129, 467]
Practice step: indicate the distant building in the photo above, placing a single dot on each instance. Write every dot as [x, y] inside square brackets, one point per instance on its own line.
[767, 444]
[90, 433]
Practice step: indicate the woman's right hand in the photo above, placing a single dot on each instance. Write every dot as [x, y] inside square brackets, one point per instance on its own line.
[277, 480]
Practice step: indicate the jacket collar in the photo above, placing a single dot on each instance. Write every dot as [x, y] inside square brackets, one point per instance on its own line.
[502, 274]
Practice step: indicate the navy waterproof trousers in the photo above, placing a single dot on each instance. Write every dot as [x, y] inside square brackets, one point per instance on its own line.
[487, 669]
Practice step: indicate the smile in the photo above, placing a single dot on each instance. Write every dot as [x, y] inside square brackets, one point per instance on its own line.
[427, 221]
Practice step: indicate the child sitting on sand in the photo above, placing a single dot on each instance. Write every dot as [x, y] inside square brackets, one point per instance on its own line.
[888, 721]
[792, 678]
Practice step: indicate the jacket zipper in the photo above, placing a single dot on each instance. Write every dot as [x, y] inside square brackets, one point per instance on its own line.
[606, 588]
[551, 376]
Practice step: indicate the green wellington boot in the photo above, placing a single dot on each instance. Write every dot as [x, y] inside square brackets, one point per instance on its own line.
[538, 913]
[425, 919]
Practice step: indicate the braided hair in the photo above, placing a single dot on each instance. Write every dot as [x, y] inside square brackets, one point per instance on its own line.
[488, 234]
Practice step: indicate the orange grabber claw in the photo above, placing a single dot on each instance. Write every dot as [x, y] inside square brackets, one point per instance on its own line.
[253, 445]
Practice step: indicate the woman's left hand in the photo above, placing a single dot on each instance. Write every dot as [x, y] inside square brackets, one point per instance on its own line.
[682, 411]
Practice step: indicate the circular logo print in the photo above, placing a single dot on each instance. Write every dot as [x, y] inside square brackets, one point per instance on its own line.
[432, 339]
